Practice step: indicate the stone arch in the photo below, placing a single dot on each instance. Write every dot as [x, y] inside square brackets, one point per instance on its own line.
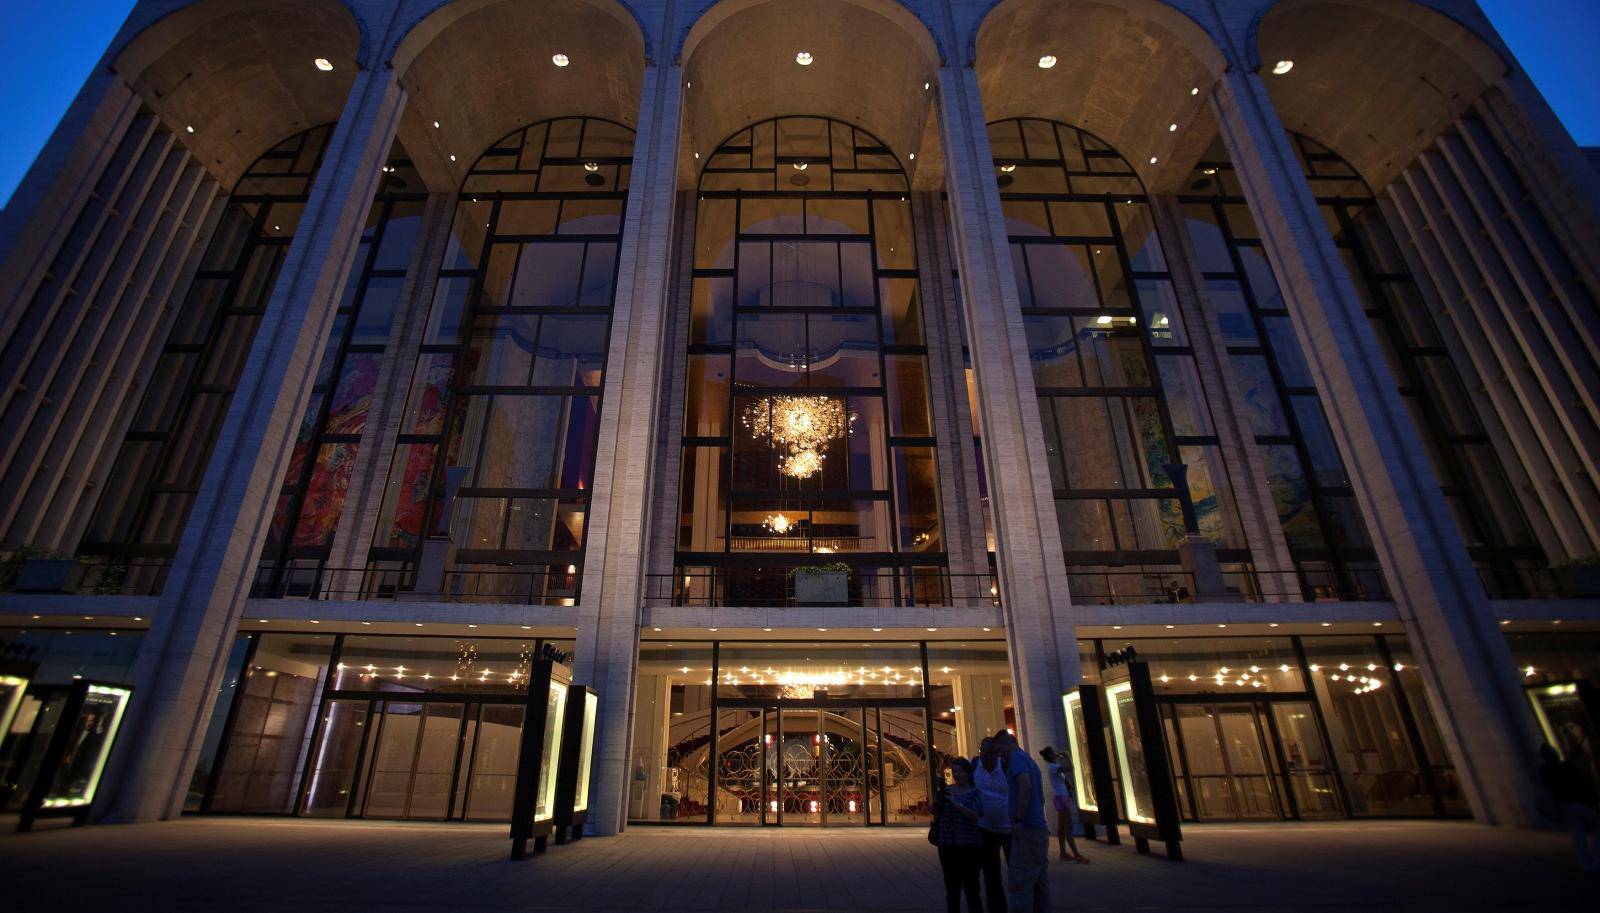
[476, 70]
[1376, 79]
[241, 73]
[1135, 72]
[874, 63]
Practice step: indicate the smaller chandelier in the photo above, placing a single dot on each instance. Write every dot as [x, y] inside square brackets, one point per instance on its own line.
[802, 464]
[778, 523]
[804, 425]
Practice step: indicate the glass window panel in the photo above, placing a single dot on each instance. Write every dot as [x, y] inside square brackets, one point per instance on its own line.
[1080, 219]
[1318, 440]
[770, 350]
[352, 395]
[908, 396]
[1060, 276]
[1260, 396]
[706, 406]
[1286, 352]
[901, 301]
[828, 216]
[1227, 301]
[379, 304]
[1291, 493]
[1210, 244]
[917, 479]
[1181, 385]
[711, 320]
[1026, 218]
[1158, 304]
[547, 275]
[843, 351]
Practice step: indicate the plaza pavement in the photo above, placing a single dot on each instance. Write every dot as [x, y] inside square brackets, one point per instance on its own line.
[245, 865]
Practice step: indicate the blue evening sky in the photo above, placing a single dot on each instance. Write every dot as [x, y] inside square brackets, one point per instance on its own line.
[47, 47]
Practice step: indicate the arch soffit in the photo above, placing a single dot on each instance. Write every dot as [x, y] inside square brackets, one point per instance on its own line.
[717, 12]
[134, 54]
[429, 22]
[1478, 51]
[1194, 37]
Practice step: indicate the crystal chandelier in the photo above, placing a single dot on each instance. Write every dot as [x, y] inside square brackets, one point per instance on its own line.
[803, 425]
[778, 523]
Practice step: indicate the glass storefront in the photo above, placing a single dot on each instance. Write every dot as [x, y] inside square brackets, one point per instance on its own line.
[1281, 728]
[420, 728]
[807, 732]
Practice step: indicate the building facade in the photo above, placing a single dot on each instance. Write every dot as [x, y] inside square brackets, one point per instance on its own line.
[837, 380]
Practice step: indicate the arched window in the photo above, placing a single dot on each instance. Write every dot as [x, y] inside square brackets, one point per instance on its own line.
[505, 397]
[807, 434]
[1119, 395]
[1487, 509]
[147, 497]
[317, 481]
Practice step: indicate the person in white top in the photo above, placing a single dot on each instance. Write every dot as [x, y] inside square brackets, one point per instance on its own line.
[994, 825]
[1060, 776]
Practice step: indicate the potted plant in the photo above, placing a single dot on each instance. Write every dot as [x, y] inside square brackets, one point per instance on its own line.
[822, 584]
[36, 570]
[1579, 577]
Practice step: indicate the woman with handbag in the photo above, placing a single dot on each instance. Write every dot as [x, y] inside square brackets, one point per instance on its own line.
[956, 810]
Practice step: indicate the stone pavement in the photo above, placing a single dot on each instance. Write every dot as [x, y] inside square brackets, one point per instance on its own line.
[243, 865]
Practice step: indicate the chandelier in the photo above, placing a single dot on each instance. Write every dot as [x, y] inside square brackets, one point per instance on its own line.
[803, 425]
[778, 523]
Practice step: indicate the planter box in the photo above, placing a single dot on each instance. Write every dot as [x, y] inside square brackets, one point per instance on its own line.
[1579, 580]
[48, 575]
[826, 588]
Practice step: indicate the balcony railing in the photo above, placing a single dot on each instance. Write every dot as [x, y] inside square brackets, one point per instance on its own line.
[555, 586]
[1240, 583]
[863, 587]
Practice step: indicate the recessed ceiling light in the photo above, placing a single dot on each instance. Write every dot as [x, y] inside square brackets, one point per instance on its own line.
[822, 629]
[877, 629]
[933, 629]
[656, 629]
[324, 64]
[590, 167]
[804, 58]
[1047, 61]
[1008, 168]
[697, 155]
[189, 128]
[1172, 128]
[926, 85]
[801, 166]
[712, 630]
[1152, 160]
[1211, 171]
[435, 125]
[417, 623]
[1195, 91]
[560, 60]
[911, 155]
[1282, 67]
[452, 158]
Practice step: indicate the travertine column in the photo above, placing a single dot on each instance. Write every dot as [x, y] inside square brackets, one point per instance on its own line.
[615, 555]
[1040, 634]
[182, 657]
[1464, 660]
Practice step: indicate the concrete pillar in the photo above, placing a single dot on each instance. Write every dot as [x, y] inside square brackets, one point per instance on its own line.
[1040, 633]
[615, 557]
[183, 656]
[646, 775]
[1482, 716]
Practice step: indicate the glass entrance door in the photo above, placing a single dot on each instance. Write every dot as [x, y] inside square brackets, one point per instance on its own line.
[1229, 763]
[822, 765]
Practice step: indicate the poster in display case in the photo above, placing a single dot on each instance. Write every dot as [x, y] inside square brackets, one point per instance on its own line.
[1148, 802]
[75, 757]
[577, 760]
[533, 804]
[1091, 762]
[14, 681]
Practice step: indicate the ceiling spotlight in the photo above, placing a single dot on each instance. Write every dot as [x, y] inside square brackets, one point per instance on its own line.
[1172, 128]
[1282, 67]
[1047, 61]
[801, 166]
[911, 155]
[926, 85]
[452, 158]
[324, 64]
[189, 128]
[435, 125]
[1152, 160]
[804, 58]
[1008, 168]
[1195, 91]
[1211, 171]
[560, 60]
[591, 167]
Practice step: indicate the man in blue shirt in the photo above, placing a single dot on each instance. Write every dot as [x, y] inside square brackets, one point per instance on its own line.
[1028, 887]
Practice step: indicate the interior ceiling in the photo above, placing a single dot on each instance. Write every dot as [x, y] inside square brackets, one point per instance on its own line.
[1124, 71]
[1374, 81]
[486, 70]
[242, 74]
[867, 69]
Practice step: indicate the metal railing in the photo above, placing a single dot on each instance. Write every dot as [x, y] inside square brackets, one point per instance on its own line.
[90, 576]
[554, 586]
[1240, 583]
[776, 587]
[1522, 582]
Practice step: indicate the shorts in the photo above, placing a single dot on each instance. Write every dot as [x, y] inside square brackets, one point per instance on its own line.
[1061, 803]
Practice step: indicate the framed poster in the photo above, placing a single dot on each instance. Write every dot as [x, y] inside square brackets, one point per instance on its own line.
[1148, 801]
[1091, 762]
[544, 723]
[75, 757]
[577, 760]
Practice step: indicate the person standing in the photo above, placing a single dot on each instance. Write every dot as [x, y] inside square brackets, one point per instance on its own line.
[1029, 883]
[1059, 772]
[1573, 793]
[994, 827]
[956, 811]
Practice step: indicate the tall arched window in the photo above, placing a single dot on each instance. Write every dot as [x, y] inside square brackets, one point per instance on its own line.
[505, 397]
[317, 481]
[164, 454]
[1119, 395]
[807, 434]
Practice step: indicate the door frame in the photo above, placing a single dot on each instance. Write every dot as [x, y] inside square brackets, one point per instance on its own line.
[1271, 747]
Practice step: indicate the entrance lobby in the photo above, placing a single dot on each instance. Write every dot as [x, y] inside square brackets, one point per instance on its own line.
[808, 733]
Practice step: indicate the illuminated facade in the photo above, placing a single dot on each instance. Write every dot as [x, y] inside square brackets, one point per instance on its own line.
[838, 380]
